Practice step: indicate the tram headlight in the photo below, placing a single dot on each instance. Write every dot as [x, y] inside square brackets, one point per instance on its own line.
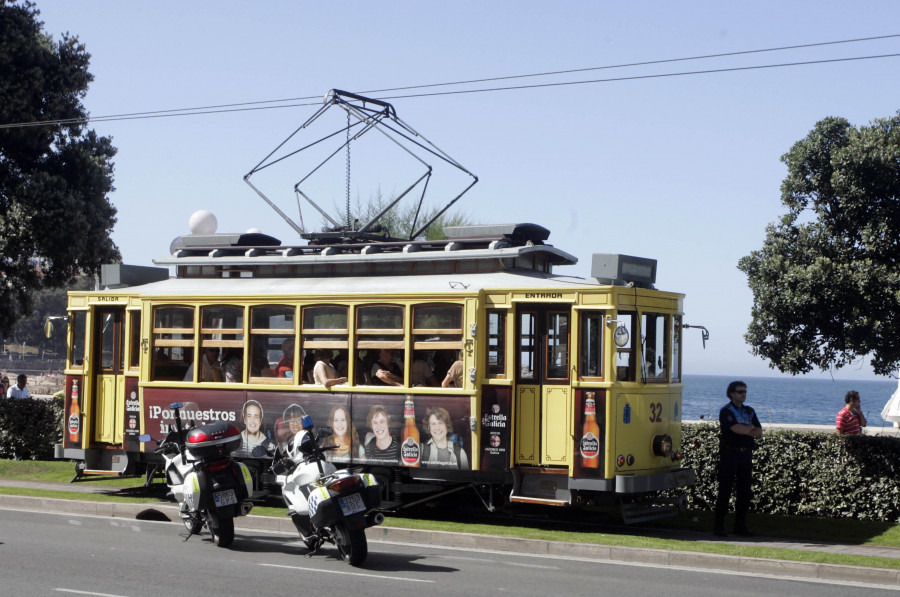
[621, 460]
[662, 445]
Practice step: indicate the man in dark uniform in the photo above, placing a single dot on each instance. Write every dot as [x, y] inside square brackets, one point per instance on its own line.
[739, 428]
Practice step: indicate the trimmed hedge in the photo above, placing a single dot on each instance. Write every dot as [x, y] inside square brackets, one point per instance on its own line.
[30, 428]
[805, 473]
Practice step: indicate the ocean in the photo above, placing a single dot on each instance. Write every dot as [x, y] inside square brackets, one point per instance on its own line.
[787, 400]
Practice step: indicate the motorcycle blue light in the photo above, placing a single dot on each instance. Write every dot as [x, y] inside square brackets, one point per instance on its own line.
[307, 422]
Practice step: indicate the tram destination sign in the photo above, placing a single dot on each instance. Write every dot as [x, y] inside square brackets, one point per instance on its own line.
[542, 296]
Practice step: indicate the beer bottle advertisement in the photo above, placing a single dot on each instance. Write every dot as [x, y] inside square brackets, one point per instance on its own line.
[590, 442]
[590, 434]
[73, 424]
[410, 448]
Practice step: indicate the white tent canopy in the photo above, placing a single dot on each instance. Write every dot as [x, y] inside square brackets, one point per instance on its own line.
[891, 410]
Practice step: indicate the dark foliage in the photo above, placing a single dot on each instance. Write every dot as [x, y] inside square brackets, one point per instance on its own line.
[54, 179]
[826, 283]
[800, 473]
[30, 428]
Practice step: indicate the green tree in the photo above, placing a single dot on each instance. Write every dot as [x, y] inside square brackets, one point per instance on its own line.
[826, 283]
[54, 179]
[402, 220]
[48, 302]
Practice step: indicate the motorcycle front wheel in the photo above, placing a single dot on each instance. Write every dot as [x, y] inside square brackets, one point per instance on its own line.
[351, 543]
[304, 527]
[193, 525]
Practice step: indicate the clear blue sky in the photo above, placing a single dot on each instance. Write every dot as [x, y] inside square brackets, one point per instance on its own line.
[684, 169]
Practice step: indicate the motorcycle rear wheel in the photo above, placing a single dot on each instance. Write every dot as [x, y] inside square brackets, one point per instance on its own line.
[351, 543]
[222, 530]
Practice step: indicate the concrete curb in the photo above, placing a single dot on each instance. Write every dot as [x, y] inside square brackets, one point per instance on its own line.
[635, 555]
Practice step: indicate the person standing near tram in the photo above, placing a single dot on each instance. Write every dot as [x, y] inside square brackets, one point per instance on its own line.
[850, 420]
[739, 429]
[19, 390]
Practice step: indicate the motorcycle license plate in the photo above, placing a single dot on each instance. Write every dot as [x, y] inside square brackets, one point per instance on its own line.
[224, 498]
[352, 504]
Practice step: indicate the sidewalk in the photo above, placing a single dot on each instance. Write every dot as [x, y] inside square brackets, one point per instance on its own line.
[664, 557]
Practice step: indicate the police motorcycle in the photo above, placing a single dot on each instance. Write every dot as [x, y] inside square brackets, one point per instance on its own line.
[210, 487]
[326, 504]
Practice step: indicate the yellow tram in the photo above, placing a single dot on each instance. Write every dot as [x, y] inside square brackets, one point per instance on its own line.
[526, 384]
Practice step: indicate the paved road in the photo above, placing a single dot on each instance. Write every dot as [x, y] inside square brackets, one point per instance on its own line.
[63, 553]
[771, 542]
[667, 558]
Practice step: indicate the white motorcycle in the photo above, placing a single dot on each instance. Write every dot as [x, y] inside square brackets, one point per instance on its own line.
[326, 504]
[210, 487]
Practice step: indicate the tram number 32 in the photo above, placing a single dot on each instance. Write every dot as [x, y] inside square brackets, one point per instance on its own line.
[656, 412]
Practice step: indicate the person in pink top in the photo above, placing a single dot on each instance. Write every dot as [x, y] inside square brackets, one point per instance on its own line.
[850, 420]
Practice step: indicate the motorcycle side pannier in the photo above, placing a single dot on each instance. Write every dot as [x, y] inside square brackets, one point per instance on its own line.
[214, 439]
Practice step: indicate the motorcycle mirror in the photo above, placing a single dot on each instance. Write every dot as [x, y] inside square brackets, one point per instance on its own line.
[325, 432]
[175, 405]
[258, 452]
[145, 438]
[307, 422]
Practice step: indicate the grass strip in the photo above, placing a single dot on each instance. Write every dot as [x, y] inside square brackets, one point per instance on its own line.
[82, 497]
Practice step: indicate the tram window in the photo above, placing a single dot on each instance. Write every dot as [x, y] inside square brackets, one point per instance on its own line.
[79, 333]
[134, 340]
[437, 340]
[173, 343]
[222, 337]
[496, 343]
[676, 349]
[109, 329]
[272, 346]
[325, 328]
[591, 344]
[437, 327]
[625, 369]
[654, 347]
[379, 328]
[557, 345]
[527, 347]
[222, 327]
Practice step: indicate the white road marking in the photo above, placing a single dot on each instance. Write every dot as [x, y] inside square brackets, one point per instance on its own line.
[347, 573]
[87, 593]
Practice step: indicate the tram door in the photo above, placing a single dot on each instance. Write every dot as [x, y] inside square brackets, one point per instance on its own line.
[543, 391]
[109, 381]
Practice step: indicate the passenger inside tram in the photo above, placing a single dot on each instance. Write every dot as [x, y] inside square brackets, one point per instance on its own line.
[422, 372]
[385, 370]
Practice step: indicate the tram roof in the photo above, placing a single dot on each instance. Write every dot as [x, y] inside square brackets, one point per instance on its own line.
[443, 284]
